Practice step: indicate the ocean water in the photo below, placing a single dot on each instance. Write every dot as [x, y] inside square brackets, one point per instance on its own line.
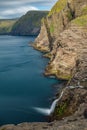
[22, 83]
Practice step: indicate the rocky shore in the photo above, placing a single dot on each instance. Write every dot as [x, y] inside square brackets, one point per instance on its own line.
[75, 122]
[63, 38]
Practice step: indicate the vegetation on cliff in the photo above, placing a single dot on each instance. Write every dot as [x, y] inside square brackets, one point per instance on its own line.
[29, 24]
[59, 6]
[6, 25]
[80, 21]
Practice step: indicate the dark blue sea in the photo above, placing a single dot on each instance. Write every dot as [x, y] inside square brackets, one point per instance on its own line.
[22, 83]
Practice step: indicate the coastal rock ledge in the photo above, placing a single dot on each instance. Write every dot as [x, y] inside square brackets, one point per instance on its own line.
[75, 122]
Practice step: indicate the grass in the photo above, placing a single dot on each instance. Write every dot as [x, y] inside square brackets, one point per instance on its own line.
[6, 26]
[81, 21]
[60, 5]
[51, 28]
[61, 109]
[42, 20]
[84, 10]
[69, 15]
[63, 76]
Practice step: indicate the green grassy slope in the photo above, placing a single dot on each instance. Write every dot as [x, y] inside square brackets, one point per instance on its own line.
[6, 25]
[29, 24]
[60, 5]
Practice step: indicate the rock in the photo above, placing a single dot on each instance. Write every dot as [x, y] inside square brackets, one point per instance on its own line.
[65, 39]
[64, 36]
[85, 113]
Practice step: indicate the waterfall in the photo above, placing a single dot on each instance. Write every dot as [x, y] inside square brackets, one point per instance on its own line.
[49, 111]
[46, 111]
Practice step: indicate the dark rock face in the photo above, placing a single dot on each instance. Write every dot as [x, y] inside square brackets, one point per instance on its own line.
[29, 24]
[85, 113]
[70, 103]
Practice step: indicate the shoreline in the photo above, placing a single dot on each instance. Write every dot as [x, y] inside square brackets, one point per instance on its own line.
[56, 122]
[71, 82]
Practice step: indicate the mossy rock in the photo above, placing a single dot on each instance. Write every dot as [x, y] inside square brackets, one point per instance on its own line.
[59, 6]
[63, 76]
[61, 109]
[48, 55]
[69, 15]
[84, 10]
[60, 75]
[80, 21]
[6, 26]
[51, 28]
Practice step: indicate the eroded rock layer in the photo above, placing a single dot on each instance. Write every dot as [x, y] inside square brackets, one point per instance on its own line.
[63, 37]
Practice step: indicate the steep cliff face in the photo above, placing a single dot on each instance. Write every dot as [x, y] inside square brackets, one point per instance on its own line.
[64, 36]
[29, 24]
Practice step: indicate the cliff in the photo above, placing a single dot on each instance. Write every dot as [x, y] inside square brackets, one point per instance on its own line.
[6, 25]
[63, 38]
[63, 35]
[29, 24]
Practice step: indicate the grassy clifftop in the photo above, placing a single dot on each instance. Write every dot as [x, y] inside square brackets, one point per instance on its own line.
[6, 26]
[29, 24]
[58, 7]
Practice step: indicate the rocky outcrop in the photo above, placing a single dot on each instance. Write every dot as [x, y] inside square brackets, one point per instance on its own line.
[65, 43]
[69, 55]
[63, 35]
[71, 101]
[75, 122]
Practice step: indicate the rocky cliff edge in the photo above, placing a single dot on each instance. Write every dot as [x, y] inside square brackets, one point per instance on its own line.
[63, 38]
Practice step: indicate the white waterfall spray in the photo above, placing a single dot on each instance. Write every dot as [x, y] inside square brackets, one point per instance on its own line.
[49, 111]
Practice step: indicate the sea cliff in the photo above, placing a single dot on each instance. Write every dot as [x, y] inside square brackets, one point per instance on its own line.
[63, 35]
[63, 38]
[27, 25]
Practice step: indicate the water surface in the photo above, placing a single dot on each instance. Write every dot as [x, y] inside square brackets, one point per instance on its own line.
[22, 84]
